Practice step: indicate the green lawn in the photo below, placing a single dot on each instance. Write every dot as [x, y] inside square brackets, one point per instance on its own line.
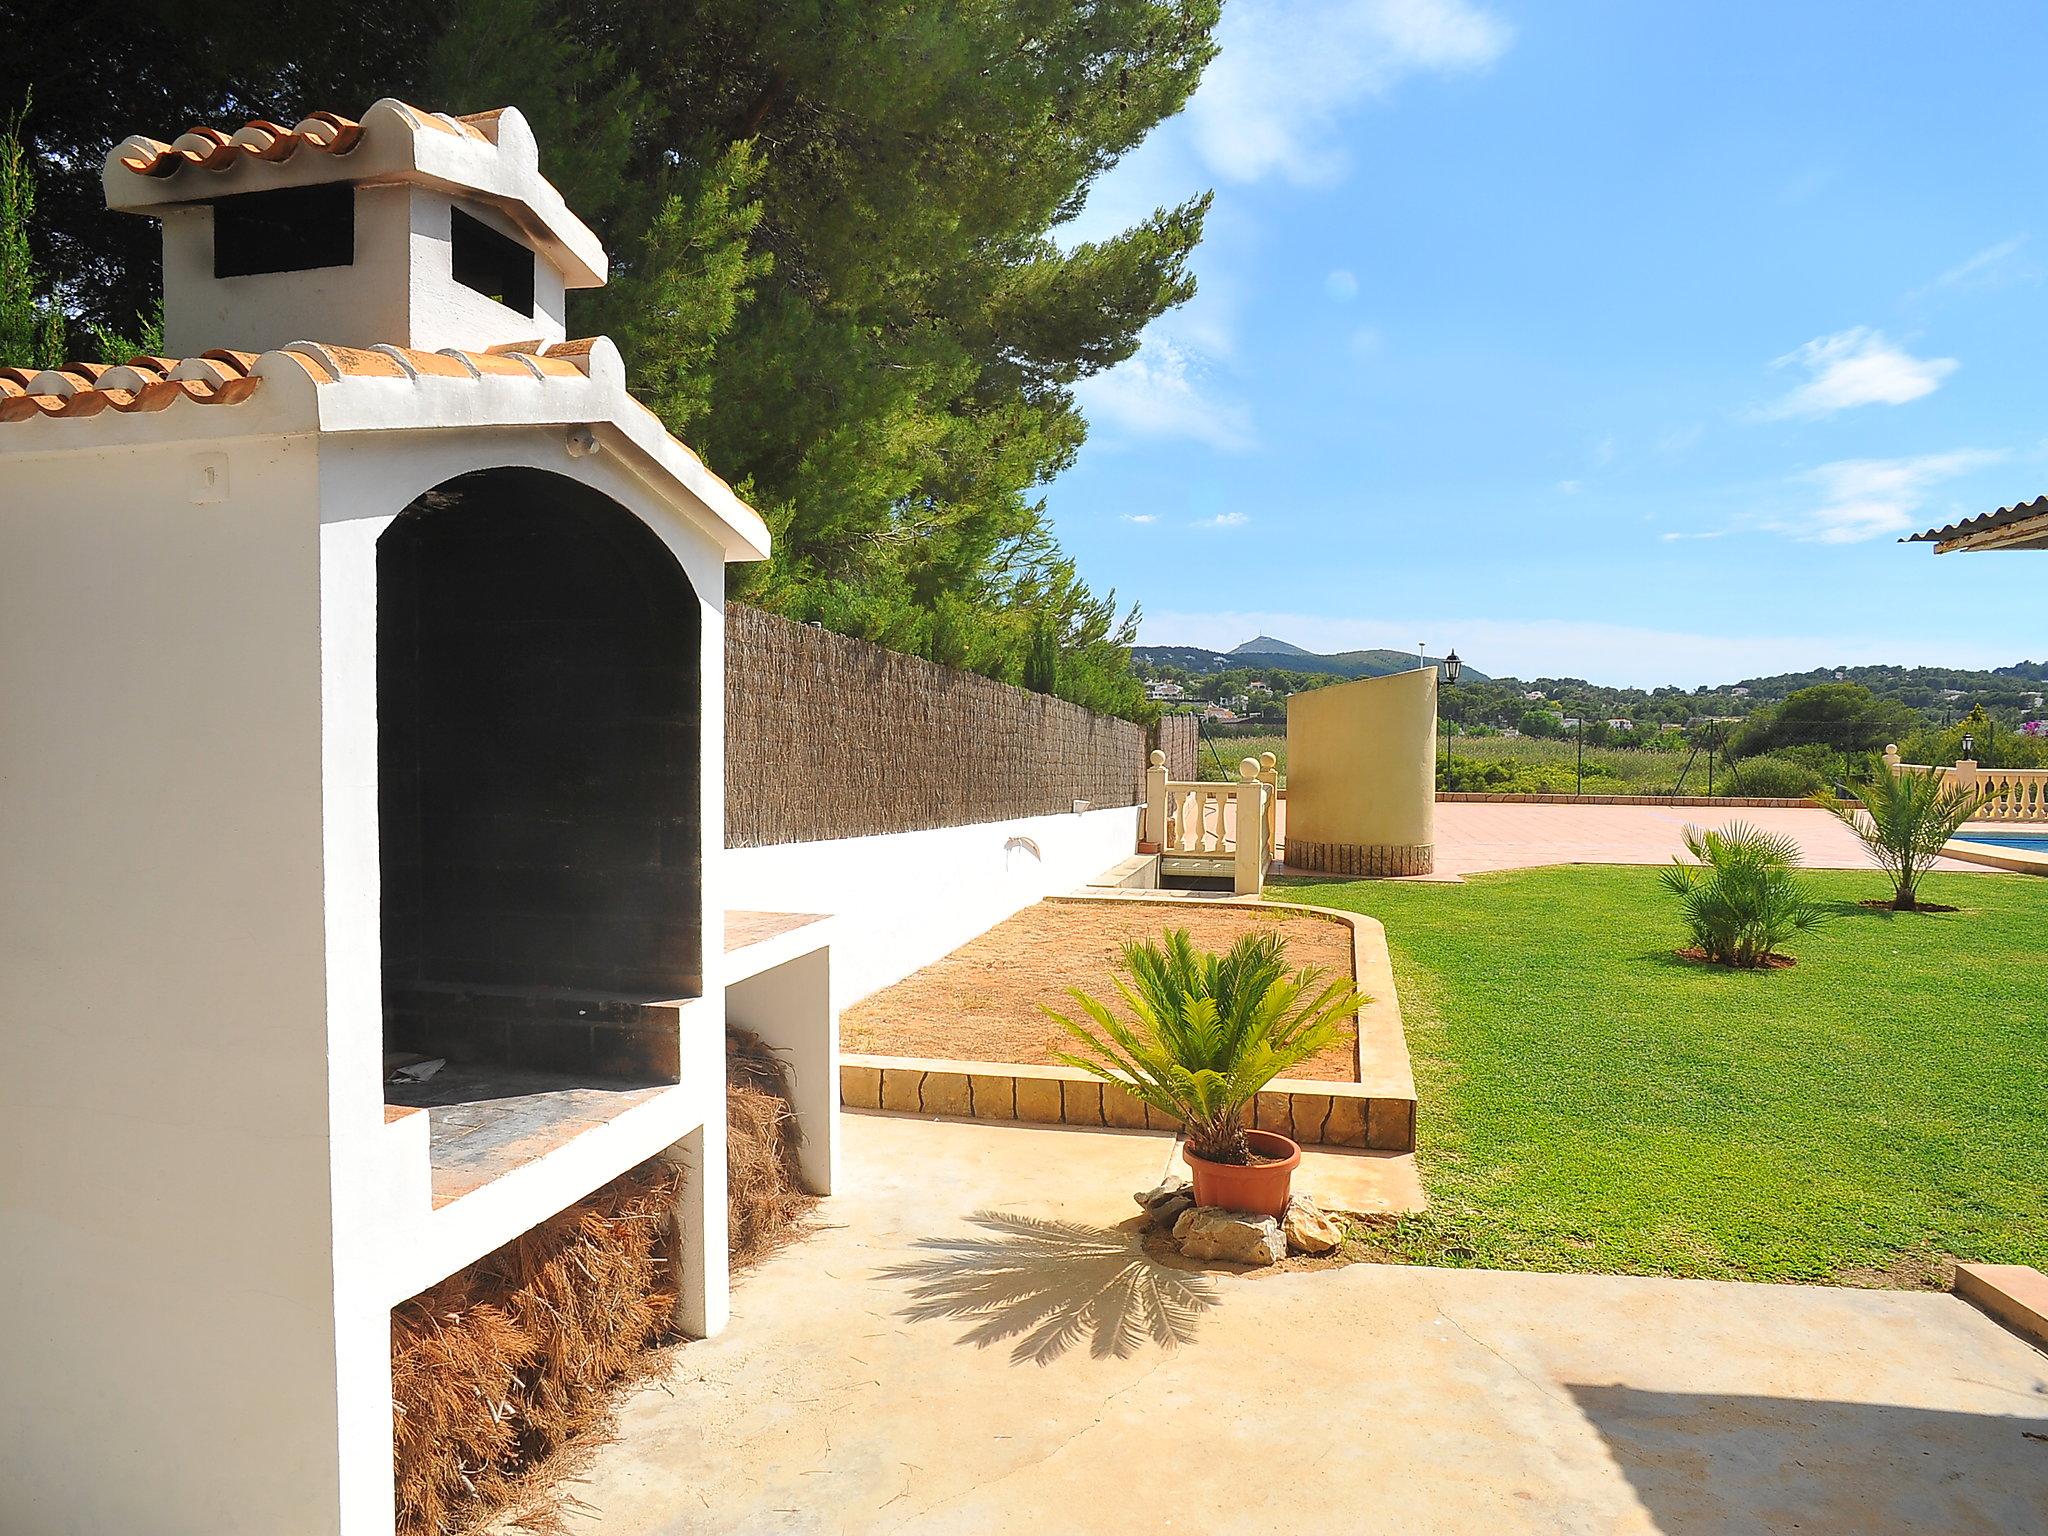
[1589, 1102]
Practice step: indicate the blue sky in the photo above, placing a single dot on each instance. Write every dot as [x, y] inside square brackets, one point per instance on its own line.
[1603, 339]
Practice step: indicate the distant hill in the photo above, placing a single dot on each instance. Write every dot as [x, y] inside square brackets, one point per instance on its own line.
[1266, 645]
[1265, 651]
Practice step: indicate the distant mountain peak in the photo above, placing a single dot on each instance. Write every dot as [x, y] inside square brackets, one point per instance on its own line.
[1266, 645]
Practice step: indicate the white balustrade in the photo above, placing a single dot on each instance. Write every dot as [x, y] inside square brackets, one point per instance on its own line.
[2010, 794]
[1185, 821]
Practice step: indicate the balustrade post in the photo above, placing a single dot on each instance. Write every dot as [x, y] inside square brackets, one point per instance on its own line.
[1269, 775]
[1891, 756]
[1155, 803]
[1248, 797]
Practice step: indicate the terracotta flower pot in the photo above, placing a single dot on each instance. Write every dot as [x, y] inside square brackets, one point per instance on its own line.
[1260, 1188]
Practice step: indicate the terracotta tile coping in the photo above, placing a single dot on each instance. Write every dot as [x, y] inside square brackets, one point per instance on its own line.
[1378, 1111]
[225, 377]
[2014, 1295]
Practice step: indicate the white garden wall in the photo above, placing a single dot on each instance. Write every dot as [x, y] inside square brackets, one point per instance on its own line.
[903, 899]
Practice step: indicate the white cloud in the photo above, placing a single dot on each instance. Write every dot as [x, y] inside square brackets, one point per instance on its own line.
[1141, 517]
[1678, 440]
[1608, 653]
[1869, 498]
[1571, 487]
[1223, 520]
[1989, 268]
[1163, 391]
[1341, 285]
[1288, 70]
[1856, 367]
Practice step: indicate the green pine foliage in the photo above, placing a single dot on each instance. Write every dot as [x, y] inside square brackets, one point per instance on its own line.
[31, 329]
[1042, 663]
[835, 274]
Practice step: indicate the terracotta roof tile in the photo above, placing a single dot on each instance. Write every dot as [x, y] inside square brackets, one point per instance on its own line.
[223, 377]
[500, 364]
[211, 149]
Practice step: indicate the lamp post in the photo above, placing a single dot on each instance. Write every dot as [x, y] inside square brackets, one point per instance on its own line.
[1969, 745]
[1451, 669]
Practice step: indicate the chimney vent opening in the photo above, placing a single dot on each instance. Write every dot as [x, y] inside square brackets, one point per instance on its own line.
[293, 229]
[495, 265]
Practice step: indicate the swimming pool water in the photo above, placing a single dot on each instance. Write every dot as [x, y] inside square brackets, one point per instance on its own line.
[2033, 842]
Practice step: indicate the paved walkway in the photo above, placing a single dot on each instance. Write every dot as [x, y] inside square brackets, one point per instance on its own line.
[1475, 836]
[925, 1364]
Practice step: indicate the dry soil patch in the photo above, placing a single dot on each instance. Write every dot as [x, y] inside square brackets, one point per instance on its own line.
[981, 1002]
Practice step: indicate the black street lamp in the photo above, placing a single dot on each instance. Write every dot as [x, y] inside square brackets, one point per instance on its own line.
[1451, 668]
[1969, 746]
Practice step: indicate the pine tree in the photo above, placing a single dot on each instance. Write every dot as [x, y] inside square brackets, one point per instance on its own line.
[1042, 662]
[31, 330]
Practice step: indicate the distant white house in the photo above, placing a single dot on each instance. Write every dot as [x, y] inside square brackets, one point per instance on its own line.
[1621, 725]
[1534, 694]
[1740, 693]
[1158, 691]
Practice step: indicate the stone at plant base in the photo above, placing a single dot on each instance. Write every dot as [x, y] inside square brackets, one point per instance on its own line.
[1309, 1228]
[1210, 1232]
[1169, 1211]
[1166, 1189]
[1166, 1201]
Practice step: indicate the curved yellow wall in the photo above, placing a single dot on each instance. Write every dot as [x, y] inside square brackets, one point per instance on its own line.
[1361, 776]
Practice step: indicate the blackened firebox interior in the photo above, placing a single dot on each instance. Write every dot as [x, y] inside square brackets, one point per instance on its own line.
[539, 701]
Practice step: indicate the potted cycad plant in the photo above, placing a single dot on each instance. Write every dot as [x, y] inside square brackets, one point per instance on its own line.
[1206, 1032]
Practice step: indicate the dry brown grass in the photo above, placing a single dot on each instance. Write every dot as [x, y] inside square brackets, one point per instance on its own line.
[764, 1203]
[498, 1370]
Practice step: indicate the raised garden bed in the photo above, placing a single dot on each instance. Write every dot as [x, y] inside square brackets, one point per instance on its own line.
[981, 1002]
[915, 1047]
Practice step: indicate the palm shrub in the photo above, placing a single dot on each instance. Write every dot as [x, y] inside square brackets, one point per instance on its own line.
[1743, 898]
[1206, 1031]
[1905, 820]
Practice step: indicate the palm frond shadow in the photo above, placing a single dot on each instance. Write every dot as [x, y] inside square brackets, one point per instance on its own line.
[1050, 1284]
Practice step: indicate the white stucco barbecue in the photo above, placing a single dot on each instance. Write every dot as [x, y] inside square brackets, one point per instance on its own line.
[207, 1205]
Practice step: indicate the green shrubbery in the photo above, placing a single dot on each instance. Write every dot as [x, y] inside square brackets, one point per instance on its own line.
[1779, 776]
[1905, 820]
[1990, 746]
[1743, 898]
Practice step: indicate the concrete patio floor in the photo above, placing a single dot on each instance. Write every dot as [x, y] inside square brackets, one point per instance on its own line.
[967, 1344]
[1473, 837]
